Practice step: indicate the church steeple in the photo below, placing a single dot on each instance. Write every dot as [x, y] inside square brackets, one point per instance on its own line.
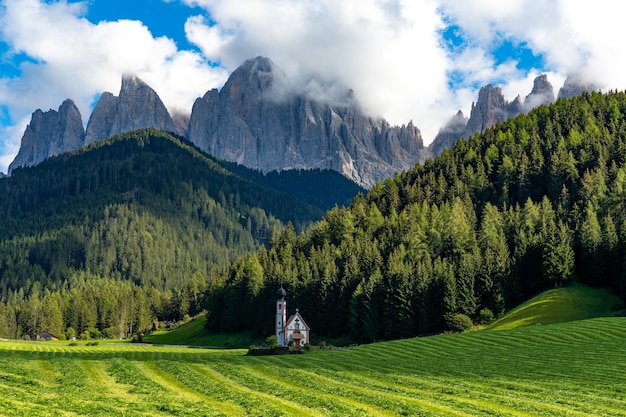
[281, 316]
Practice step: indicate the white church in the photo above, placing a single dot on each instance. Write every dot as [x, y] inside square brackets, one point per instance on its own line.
[293, 329]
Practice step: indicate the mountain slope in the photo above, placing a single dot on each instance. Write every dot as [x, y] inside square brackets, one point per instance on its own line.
[74, 211]
[538, 200]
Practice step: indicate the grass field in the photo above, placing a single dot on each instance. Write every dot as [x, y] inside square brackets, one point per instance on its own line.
[194, 334]
[559, 305]
[569, 369]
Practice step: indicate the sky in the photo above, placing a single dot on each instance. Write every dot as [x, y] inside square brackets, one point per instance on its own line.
[419, 60]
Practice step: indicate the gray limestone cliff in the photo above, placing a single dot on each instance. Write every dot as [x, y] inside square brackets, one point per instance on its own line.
[575, 85]
[138, 106]
[50, 133]
[449, 134]
[256, 120]
[490, 108]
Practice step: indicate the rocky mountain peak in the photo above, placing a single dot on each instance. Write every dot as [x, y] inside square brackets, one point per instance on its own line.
[542, 93]
[488, 110]
[253, 78]
[491, 108]
[138, 106]
[50, 133]
[450, 133]
[259, 121]
[575, 85]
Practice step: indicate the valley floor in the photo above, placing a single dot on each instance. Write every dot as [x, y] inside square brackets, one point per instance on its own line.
[573, 369]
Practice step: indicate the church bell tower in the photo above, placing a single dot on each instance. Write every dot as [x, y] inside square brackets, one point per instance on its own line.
[281, 316]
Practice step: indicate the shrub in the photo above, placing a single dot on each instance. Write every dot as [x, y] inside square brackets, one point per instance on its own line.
[459, 323]
[271, 341]
[485, 316]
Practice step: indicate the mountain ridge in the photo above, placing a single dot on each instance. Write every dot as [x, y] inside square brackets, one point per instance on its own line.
[260, 120]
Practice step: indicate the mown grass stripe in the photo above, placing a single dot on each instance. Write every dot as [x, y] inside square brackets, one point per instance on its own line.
[338, 405]
[173, 385]
[393, 402]
[292, 408]
[422, 388]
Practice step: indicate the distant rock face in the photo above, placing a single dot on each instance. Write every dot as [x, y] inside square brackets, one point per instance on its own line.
[50, 133]
[490, 109]
[575, 85]
[451, 132]
[542, 93]
[138, 106]
[253, 122]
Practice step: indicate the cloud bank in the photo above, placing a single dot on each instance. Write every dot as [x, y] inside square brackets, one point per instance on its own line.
[70, 57]
[397, 55]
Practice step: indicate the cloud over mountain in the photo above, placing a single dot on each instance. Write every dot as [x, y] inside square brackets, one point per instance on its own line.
[419, 60]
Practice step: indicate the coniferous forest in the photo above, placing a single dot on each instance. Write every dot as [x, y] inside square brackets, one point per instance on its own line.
[534, 202]
[136, 229]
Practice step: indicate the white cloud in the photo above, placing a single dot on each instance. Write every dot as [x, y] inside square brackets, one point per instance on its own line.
[389, 51]
[74, 58]
[574, 36]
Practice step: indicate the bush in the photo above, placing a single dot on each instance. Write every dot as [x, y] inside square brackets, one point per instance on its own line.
[271, 341]
[485, 316]
[459, 323]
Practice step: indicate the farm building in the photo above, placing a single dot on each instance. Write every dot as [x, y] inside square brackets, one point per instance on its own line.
[46, 336]
[293, 329]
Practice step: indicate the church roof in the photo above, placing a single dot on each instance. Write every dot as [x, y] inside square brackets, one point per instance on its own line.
[299, 317]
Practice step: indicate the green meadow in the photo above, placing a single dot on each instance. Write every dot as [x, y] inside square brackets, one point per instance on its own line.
[558, 305]
[193, 333]
[569, 369]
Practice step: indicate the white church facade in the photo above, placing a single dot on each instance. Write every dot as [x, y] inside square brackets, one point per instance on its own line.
[292, 329]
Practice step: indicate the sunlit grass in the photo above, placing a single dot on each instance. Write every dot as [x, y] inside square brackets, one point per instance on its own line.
[194, 334]
[567, 369]
[559, 305]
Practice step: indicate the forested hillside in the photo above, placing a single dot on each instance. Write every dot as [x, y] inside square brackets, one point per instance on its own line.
[532, 203]
[136, 228]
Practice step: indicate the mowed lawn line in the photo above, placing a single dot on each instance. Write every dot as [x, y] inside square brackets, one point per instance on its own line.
[48, 376]
[281, 404]
[359, 393]
[415, 387]
[171, 383]
[17, 408]
[101, 378]
[291, 388]
[572, 397]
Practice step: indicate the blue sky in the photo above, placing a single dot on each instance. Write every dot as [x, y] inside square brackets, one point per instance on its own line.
[420, 60]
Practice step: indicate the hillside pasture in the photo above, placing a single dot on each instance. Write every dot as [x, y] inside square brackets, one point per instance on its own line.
[193, 333]
[569, 369]
[558, 305]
